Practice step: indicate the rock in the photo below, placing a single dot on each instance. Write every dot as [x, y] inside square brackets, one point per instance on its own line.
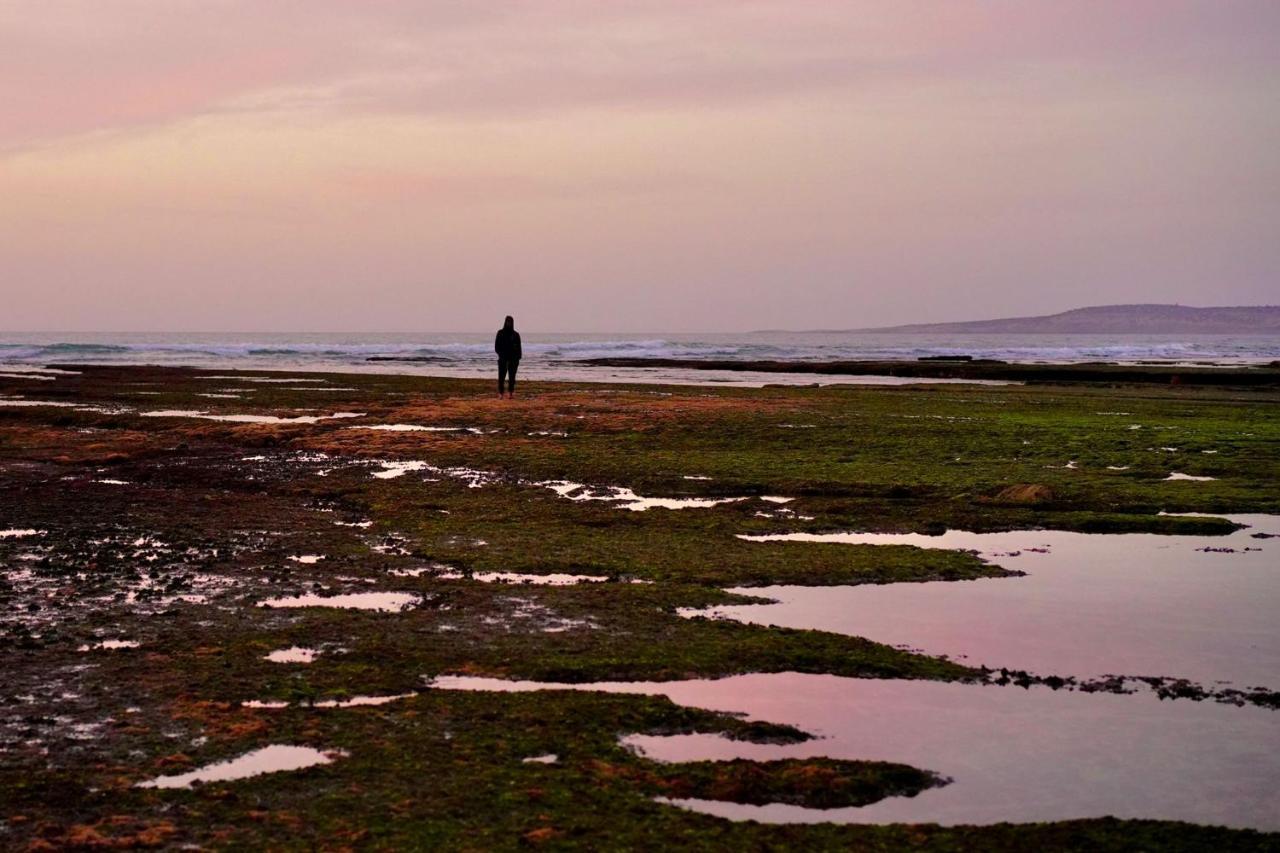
[1024, 494]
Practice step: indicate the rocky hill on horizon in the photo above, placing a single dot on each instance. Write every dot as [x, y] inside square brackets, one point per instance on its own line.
[1116, 319]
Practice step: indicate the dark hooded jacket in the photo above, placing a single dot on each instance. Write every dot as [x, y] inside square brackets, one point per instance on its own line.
[507, 343]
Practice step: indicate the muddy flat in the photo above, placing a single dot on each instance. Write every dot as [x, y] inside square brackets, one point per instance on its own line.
[403, 613]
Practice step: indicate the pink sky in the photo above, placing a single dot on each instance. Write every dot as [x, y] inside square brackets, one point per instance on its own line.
[626, 166]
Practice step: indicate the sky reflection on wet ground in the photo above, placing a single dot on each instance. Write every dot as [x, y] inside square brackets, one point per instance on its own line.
[1197, 607]
[1014, 754]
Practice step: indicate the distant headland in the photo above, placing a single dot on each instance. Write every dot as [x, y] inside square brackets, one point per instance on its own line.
[1116, 320]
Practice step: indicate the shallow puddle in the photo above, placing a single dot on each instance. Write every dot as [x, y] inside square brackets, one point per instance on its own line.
[270, 759]
[387, 602]
[109, 645]
[1189, 478]
[1014, 755]
[29, 403]
[293, 654]
[17, 533]
[621, 497]
[418, 571]
[248, 419]
[416, 428]
[474, 478]
[391, 470]
[1197, 607]
[627, 499]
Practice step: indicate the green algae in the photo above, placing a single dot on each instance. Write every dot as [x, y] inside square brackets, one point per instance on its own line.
[438, 770]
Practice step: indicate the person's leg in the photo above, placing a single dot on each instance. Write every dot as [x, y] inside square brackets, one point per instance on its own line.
[511, 377]
[502, 374]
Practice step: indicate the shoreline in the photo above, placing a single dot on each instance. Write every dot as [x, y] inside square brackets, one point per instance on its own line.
[1267, 375]
[746, 373]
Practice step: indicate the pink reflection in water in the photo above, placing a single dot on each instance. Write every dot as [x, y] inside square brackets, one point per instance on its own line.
[1014, 755]
[1090, 604]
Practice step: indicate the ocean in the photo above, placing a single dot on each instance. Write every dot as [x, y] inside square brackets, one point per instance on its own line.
[557, 356]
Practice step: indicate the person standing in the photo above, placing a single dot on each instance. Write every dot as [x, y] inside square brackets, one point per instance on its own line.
[507, 346]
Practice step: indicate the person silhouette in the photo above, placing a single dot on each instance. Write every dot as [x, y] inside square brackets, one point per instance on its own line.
[507, 346]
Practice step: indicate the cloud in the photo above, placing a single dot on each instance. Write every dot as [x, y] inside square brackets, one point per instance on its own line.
[726, 163]
[73, 66]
